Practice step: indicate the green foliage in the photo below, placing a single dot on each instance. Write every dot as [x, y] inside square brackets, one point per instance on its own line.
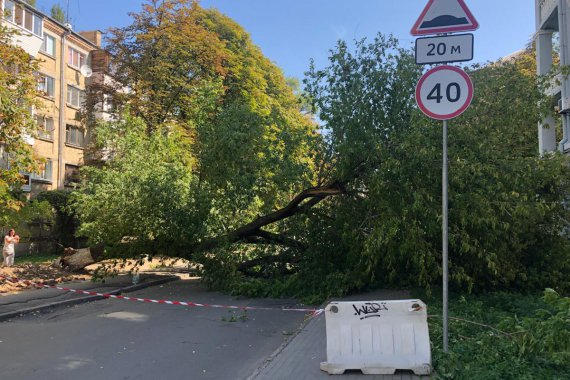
[215, 138]
[36, 259]
[30, 212]
[18, 94]
[145, 194]
[235, 317]
[506, 202]
[548, 333]
[66, 223]
[502, 336]
[213, 135]
[58, 14]
[198, 69]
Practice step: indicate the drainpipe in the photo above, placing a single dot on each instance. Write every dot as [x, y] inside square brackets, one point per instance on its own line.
[62, 105]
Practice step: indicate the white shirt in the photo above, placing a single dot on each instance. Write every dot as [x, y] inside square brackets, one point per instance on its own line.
[9, 245]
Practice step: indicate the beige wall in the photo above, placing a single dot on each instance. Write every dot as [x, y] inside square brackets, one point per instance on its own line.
[51, 107]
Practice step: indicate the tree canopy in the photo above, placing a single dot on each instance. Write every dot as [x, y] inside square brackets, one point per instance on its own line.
[195, 74]
[18, 91]
[58, 14]
[214, 159]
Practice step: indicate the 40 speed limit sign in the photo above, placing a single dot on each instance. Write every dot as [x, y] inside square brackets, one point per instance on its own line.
[444, 92]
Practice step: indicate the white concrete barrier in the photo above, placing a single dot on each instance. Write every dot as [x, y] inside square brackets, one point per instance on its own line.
[377, 337]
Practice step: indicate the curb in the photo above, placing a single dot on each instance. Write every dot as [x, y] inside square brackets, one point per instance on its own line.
[283, 345]
[76, 301]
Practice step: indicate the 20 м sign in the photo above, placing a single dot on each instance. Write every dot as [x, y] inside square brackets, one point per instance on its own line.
[443, 49]
[444, 92]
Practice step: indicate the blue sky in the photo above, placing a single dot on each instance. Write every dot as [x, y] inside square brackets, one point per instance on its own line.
[291, 32]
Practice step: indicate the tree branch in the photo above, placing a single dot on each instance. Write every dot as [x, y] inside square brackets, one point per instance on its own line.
[297, 205]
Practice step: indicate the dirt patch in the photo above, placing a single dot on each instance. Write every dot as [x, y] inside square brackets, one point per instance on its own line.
[44, 273]
[37, 273]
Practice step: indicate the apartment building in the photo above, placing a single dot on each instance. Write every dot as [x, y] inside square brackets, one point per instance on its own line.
[65, 72]
[553, 18]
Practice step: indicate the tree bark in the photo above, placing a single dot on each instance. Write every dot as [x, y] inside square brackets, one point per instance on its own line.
[77, 259]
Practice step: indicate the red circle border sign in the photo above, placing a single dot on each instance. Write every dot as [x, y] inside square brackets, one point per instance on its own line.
[453, 114]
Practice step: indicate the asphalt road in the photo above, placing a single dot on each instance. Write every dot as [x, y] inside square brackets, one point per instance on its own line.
[115, 339]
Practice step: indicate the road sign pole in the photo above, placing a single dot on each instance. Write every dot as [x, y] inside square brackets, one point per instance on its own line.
[444, 184]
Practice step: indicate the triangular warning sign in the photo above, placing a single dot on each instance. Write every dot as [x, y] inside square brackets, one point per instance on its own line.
[444, 16]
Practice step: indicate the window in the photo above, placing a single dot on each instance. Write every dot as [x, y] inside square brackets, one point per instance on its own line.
[45, 171]
[26, 182]
[46, 85]
[75, 58]
[45, 127]
[48, 46]
[9, 10]
[108, 105]
[75, 96]
[74, 135]
[38, 26]
[23, 17]
[71, 175]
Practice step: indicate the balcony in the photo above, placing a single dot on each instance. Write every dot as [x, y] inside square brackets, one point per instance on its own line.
[547, 10]
[26, 23]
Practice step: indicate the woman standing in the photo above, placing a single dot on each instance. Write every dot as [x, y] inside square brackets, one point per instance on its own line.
[8, 251]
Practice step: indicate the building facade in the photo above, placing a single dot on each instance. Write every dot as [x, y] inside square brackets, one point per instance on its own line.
[65, 72]
[553, 23]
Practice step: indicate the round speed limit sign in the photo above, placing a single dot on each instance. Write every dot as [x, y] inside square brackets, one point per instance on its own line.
[444, 92]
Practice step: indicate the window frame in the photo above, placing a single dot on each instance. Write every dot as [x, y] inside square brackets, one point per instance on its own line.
[23, 17]
[46, 81]
[80, 96]
[43, 132]
[45, 174]
[73, 53]
[71, 175]
[43, 47]
[72, 134]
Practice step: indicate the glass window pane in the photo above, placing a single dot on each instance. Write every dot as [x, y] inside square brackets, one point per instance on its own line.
[19, 15]
[42, 84]
[29, 20]
[50, 86]
[50, 45]
[48, 170]
[70, 56]
[38, 25]
[9, 10]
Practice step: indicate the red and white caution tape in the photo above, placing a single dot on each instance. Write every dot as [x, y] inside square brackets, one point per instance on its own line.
[314, 312]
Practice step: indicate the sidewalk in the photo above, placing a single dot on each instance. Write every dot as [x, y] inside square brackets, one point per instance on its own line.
[37, 300]
[301, 356]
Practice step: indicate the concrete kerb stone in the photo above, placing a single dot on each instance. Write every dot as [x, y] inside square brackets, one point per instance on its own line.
[76, 301]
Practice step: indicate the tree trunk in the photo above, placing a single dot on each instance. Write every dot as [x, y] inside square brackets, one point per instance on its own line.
[77, 259]
[252, 232]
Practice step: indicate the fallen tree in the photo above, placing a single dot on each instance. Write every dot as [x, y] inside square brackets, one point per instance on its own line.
[253, 232]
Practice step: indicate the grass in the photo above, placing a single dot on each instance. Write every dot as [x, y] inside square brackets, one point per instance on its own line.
[515, 337]
[35, 259]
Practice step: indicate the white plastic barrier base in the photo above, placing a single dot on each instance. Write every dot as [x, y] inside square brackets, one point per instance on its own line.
[377, 337]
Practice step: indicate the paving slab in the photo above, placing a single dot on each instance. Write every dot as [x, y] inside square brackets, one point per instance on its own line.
[301, 356]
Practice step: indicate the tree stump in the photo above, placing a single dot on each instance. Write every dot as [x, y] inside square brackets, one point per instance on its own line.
[77, 259]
